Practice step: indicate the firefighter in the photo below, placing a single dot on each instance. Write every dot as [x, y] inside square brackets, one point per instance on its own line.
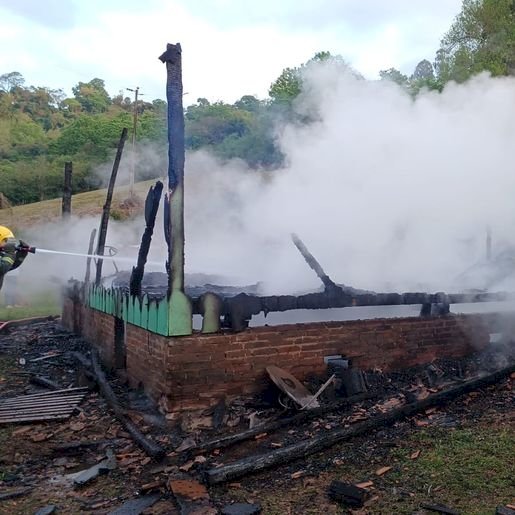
[12, 252]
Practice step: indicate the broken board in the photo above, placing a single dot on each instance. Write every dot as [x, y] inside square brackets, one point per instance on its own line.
[292, 387]
[54, 405]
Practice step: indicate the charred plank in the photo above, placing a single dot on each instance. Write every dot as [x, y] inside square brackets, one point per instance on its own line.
[102, 234]
[151, 448]
[151, 208]
[230, 440]
[303, 448]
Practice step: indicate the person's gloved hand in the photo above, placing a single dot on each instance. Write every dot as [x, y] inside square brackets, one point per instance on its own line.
[23, 251]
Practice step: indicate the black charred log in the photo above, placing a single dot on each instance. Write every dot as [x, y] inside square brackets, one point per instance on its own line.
[151, 208]
[102, 234]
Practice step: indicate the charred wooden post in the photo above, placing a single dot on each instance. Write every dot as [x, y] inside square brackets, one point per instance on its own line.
[328, 283]
[151, 208]
[211, 307]
[102, 234]
[67, 190]
[90, 251]
[347, 494]
[180, 308]
[151, 448]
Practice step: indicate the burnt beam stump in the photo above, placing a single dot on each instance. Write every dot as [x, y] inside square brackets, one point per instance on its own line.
[347, 494]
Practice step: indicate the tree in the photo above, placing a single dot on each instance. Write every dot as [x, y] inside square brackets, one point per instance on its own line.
[10, 81]
[248, 103]
[394, 75]
[286, 87]
[482, 38]
[92, 96]
[423, 71]
[209, 124]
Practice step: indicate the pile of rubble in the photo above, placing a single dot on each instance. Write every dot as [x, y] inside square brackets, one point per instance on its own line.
[112, 451]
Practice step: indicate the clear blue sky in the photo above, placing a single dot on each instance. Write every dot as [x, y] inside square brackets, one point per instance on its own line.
[230, 47]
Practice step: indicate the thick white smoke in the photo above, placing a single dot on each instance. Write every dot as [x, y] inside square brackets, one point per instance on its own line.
[389, 193]
[386, 191]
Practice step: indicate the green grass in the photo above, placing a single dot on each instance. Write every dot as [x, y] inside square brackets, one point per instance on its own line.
[42, 304]
[470, 469]
[83, 204]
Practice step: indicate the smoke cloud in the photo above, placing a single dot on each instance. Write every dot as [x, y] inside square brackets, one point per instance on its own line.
[388, 192]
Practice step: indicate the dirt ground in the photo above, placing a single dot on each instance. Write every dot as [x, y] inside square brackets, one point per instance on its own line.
[461, 455]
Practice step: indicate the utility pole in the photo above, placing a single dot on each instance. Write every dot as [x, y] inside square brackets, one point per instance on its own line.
[134, 126]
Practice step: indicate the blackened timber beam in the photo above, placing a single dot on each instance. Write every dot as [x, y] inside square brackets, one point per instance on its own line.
[151, 208]
[240, 308]
[102, 234]
[313, 263]
[90, 252]
[180, 310]
[67, 190]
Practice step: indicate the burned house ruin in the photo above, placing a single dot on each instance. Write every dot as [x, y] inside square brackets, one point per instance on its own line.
[189, 345]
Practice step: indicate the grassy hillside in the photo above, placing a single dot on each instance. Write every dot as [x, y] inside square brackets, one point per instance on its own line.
[89, 203]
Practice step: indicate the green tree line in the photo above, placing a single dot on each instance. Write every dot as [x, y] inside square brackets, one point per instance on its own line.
[42, 128]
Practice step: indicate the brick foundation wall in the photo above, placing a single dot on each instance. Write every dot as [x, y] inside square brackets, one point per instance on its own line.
[196, 371]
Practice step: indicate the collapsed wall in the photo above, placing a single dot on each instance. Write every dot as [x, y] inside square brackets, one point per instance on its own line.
[195, 371]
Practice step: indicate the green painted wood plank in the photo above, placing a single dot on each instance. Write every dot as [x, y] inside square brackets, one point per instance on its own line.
[136, 320]
[130, 310]
[144, 312]
[152, 316]
[162, 317]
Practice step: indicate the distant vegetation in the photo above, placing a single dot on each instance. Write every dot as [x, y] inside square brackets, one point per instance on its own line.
[41, 128]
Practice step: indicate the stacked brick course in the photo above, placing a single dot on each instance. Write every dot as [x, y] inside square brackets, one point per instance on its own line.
[195, 371]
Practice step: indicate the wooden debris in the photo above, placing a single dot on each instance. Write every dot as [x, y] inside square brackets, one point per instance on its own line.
[505, 510]
[44, 382]
[440, 508]
[347, 494]
[193, 490]
[46, 510]
[186, 444]
[79, 446]
[55, 405]
[219, 414]
[383, 470]
[77, 426]
[229, 440]
[239, 508]
[136, 506]
[297, 474]
[151, 448]
[290, 385]
[147, 487]
[191, 496]
[14, 493]
[365, 484]
[415, 455]
[85, 476]
[48, 355]
[323, 441]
